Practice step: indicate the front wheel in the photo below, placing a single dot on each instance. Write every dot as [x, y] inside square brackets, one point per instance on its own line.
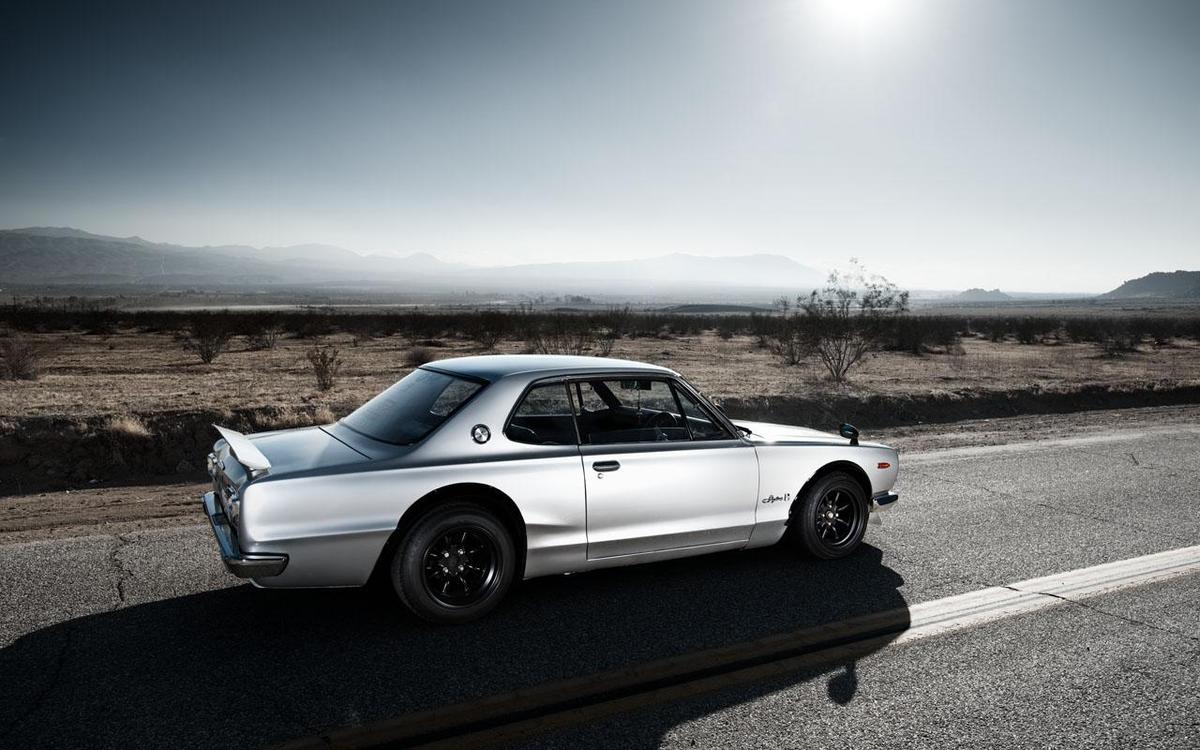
[830, 519]
[455, 564]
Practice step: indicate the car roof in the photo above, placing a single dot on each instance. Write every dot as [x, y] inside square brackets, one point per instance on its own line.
[495, 366]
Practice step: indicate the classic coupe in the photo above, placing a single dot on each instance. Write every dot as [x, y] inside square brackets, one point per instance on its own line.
[471, 473]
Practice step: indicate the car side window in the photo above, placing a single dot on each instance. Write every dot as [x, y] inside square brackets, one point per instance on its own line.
[543, 417]
[633, 410]
[702, 425]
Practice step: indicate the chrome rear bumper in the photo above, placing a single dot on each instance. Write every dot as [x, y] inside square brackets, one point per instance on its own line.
[242, 565]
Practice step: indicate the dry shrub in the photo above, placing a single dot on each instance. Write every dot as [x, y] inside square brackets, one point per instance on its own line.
[19, 359]
[264, 338]
[289, 417]
[325, 364]
[127, 427]
[561, 334]
[605, 341]
[417, 356]
[487, 328]
[323, 415]
[207, 336]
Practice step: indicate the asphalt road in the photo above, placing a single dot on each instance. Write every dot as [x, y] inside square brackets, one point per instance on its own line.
[143, 640]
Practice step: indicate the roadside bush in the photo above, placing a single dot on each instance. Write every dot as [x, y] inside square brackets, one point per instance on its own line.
[790, 341]
[561, 334]
[762, 328]
[605, 341]
[1118, 340]
[19, 359]
[729, 326]
[264, 338]
[917, 334]
[207, 336]
[325, 364]
[487, 328]
[1034, 330]
[417, 356]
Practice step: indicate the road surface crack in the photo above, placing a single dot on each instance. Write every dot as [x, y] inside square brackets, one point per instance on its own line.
[124, 573]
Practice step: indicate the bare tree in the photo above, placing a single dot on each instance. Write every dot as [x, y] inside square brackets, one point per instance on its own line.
[842, 321]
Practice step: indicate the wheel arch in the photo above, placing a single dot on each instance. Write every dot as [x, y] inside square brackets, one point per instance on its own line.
[847, 467]
[486, 495]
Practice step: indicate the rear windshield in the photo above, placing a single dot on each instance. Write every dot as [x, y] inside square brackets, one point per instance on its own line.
[412, 408]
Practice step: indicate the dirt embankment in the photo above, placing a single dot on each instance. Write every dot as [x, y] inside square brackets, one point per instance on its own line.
[894, 410]
[38, 453]
[55, 453]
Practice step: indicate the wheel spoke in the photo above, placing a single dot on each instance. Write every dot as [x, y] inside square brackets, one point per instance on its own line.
[461, 565]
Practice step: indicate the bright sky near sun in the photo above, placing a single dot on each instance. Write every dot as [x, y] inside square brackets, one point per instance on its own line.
[1021, 144]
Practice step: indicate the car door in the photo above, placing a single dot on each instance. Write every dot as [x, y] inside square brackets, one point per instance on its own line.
[660, 472]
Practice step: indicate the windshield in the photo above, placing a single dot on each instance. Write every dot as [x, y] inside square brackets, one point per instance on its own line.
[412, 408]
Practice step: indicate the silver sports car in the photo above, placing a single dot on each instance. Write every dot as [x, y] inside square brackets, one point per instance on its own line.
[470, 473]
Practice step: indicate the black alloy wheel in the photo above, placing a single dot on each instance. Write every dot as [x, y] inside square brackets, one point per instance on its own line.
[830, 518]
[455, 563]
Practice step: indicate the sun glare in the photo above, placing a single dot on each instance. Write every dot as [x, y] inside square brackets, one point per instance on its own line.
[862, 18]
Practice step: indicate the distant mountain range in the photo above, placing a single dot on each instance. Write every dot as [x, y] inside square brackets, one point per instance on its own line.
[65, 256]
[1174, 285]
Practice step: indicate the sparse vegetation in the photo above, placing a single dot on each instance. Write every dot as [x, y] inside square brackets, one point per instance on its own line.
[417, 356]
[561, 334]
[208, 336]
[19, 359]
[263, 336]
[325, 363]
[487, 328]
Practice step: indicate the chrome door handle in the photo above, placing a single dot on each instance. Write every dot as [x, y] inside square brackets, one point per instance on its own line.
[603, 466]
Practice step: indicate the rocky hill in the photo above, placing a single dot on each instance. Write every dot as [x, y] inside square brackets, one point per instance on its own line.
[1173, 285]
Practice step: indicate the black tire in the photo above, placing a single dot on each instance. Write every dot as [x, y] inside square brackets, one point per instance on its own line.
[455, 564]
[829, 521]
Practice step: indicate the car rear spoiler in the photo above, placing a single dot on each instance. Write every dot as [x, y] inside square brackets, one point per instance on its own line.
[247, 455]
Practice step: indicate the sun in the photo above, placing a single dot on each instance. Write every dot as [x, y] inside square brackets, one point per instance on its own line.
[862, 18]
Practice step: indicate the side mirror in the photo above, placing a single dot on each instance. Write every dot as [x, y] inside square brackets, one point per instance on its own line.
[850, 432]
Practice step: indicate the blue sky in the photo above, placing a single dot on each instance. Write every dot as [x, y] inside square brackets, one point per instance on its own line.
[1030, 145]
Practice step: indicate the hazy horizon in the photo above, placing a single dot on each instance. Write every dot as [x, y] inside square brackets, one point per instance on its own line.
[1029, 146]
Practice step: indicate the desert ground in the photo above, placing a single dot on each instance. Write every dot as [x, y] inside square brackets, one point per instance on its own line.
[135, 373]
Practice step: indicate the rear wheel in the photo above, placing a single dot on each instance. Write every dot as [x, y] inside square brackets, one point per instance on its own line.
[830, 519]
[455, 564]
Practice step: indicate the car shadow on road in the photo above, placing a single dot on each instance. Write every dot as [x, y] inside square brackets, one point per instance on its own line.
[245, 667]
